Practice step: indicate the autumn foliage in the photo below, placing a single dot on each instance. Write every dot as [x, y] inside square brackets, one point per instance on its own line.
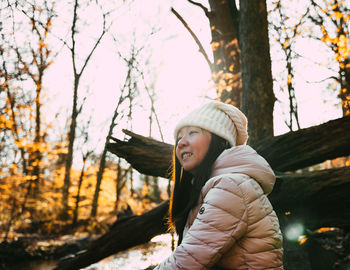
[34, 150]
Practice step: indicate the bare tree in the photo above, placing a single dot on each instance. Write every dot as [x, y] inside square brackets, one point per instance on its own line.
[120, 182]
[331, 19]
[85, 154]
[23, 62]
[78, 72]
[285, 30]
[128, 91]
[34, 65]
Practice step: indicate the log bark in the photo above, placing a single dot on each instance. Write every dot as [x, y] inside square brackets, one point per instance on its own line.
[145, 154]
[290, 151]
[314, 199]
[308, 146]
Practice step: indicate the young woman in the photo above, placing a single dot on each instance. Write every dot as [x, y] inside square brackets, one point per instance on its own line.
[219, 206]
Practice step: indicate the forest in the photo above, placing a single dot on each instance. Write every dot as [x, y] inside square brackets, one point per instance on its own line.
[90, 92]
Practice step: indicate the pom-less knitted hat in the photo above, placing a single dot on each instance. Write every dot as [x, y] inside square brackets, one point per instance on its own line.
[221, 119]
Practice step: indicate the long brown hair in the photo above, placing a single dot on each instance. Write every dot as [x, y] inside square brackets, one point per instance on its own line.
[187, 187]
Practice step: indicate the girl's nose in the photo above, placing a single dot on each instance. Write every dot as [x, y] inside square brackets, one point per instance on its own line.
[182, 142]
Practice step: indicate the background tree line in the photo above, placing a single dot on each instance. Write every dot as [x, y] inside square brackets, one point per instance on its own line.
[40, 189]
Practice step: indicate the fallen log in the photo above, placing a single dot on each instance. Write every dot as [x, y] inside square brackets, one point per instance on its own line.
[308, 146]
[145, 154]
[315, 199]
[290, 151]
[125, 233]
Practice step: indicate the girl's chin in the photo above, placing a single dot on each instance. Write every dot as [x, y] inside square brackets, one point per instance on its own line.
[188, 169]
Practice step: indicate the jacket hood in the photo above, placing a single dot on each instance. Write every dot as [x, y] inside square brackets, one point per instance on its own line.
[244, 159]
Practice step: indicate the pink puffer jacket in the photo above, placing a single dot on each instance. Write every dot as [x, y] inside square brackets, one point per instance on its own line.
[234, 225]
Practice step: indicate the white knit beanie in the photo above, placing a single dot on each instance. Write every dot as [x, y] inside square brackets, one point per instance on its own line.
[219, 118]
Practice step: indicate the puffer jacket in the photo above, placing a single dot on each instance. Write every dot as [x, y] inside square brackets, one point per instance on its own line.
[234, 225]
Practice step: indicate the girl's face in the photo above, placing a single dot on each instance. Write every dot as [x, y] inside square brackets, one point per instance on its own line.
[192, 146]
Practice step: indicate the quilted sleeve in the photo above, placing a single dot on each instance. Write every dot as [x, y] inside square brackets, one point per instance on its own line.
[221, 220]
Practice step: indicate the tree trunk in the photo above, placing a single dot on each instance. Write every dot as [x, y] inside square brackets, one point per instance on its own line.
[77, 199]
[117, 190]
[104, 154]
[100, 172]
[69, 157]
[226, 69]
[37, 138]
[120, 183]
[290, 151]
[75, 110]
[256, 70]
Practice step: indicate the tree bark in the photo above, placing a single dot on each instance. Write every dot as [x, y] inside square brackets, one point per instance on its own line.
[257, 90]
[226, 69]
[314, 199]
[290, 151]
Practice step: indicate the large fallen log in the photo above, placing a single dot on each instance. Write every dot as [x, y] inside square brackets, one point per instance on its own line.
[308, 146]
[314, 199]
[125, 233]
[290, 151]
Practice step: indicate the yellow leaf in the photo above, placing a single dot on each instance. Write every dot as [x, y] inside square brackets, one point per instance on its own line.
[338, 15]
[333, 7]
[215, 46]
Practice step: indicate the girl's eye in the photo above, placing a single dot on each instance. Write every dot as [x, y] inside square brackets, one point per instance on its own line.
[178, 139]
[193, 132]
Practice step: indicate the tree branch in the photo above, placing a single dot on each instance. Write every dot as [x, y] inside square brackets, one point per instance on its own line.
[326, 79]
[206, 11]
[201, 48]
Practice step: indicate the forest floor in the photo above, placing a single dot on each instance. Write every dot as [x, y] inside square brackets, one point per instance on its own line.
[35, 247]
[329, 250]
